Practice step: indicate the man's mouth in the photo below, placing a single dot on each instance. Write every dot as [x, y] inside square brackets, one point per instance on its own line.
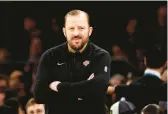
[76, 39]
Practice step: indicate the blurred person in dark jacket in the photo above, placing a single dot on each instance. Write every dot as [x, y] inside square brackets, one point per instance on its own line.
[149, 88]
[4, 108]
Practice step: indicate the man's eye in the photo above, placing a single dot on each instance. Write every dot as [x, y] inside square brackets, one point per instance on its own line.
[31, 112]
[39, 110]
[71, 28]
[81, 28]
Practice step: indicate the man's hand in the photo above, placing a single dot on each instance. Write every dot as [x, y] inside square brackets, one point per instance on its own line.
[110, 90]
[54, 85]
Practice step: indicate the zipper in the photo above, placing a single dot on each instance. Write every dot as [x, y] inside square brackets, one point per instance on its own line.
[71, 66]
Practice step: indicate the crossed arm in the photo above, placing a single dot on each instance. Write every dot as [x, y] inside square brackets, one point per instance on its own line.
[95, 87]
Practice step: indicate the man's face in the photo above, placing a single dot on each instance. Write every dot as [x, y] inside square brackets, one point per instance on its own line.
[2, 98]
[14, 79]
[77, 31]
[3, 83]
[29, 23]
[36, 109]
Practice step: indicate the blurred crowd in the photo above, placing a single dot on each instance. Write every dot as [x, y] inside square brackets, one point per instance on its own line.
[17, 77]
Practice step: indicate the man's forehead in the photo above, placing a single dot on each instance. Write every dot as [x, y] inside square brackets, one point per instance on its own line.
[77, 19]
[36, 106]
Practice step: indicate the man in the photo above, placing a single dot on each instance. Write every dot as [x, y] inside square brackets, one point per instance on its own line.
[152, 109]
[72, 78]
[33, 108]
[4, 109]
[149, 88]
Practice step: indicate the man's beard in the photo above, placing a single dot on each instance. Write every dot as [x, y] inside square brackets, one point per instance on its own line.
[77, 47]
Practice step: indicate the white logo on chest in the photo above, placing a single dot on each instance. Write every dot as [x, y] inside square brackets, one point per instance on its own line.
[60, 63]
[105, 69]
[85, 63]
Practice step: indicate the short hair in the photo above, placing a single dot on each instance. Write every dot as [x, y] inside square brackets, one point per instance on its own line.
[155, 57]
[30, 103]
[152, 109]
[75, 13]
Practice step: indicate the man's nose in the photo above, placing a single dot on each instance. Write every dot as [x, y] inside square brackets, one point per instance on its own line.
[76, 32]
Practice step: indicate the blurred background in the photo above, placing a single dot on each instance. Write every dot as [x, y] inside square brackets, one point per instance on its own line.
[125, 29]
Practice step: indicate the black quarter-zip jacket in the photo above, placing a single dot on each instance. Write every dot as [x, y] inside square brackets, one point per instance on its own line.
[76, 94]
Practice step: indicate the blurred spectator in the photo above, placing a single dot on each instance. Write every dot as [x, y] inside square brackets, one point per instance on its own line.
[2, 96]
[14, 79]
[35, 33]
[162, 22]
[3, 81]
[131, 78]
[117, 79]
[118, 52]
[152, 109]
[55, 26]
[130, 28]
[135, 52]
[4, 54]
[32, 63]
[35, 48]
[154, 30]
[29, 23]
[33, 108]
[123, 107]
[14, 103]
[140, 57]
[20, 45]
[148, 88]
[4, 109]
[21, 111]
[163, 105]
[123, 49]
[31, 27]
[17, 87]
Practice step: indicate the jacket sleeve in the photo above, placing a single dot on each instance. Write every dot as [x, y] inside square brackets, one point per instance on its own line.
[129, 91]
[41, 87]
[95, 87]
[138, 90]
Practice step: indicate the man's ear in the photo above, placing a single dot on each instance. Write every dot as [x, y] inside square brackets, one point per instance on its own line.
[63, 29]
[90, 30]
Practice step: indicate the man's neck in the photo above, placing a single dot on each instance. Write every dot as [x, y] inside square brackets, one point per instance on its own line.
[155, 69]
[73, 51]
[155, 72]
[159, 70]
